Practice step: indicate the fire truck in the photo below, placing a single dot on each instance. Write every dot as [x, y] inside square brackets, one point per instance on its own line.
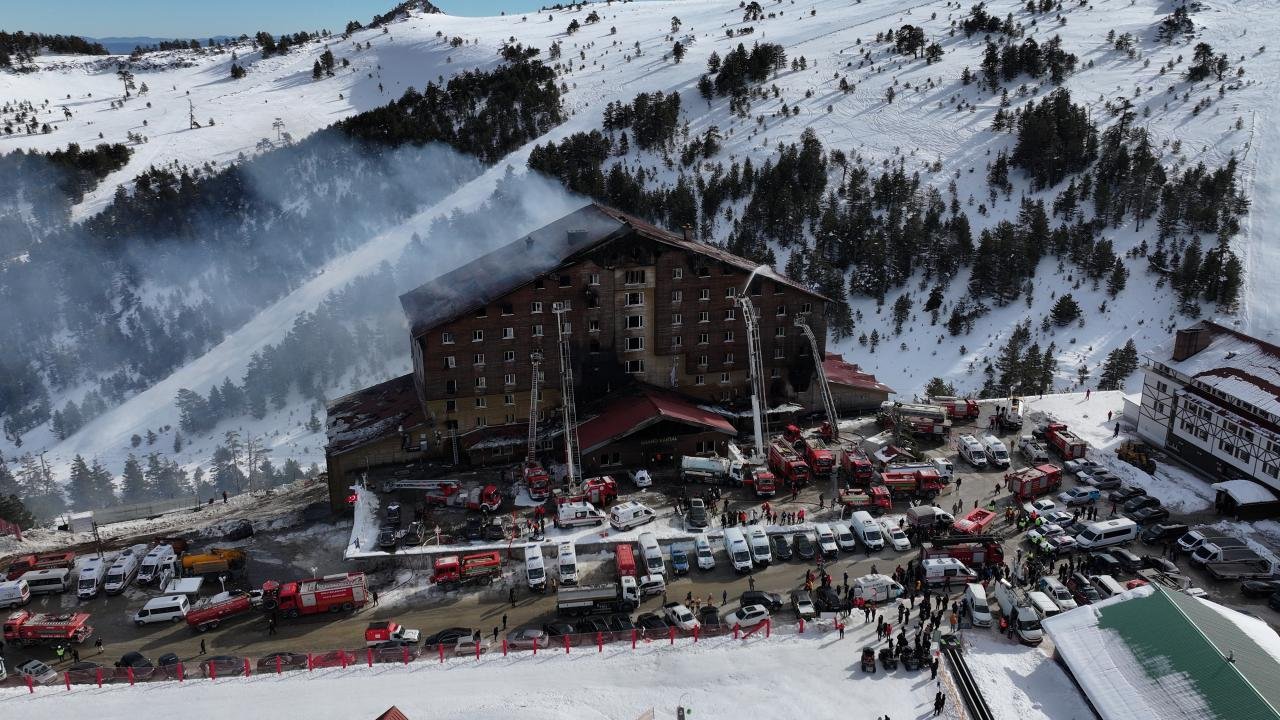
[920, 419]
[599, 491]
[332, 593]
[537, 480]
[974, 522]
[817, 454]
[27, 563]
[1068, 444]
[875, 499]
[760, 480]
[855, 467]
[957, 408]
[208, 613]
[786, 463]
[455, 570]
[915, 483]
[388, 631]
[1031, 482]
[972, 550]
[451, 494]
[33, 629]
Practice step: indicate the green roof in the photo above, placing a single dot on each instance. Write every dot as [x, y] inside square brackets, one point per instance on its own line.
[1174, 634]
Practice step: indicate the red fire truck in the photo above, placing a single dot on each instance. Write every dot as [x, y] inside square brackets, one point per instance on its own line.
[32, 629]
[874, 499]
[956, 407]
[855, 467]
[1068, 444]
[920, 419]
[819, 456]
[332, 593]
[208, 613]
[972, 550]
[1031, 482]
[457, 570]
[786, 463]
[27, 563]
[537, 480]
[760, 480]
[916, 482]
[486, 498]
[974, 522]
[599, 491]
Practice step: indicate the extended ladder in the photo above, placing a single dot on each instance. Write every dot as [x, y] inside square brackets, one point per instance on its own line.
[535, 359]
[756, 368]
[828, 402]
[570, 411]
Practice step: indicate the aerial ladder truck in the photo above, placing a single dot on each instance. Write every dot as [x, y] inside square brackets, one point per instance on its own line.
[536, 477]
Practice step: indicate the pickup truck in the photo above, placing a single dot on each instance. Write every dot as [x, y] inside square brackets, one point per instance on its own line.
[1250, 569]
[1033, 450]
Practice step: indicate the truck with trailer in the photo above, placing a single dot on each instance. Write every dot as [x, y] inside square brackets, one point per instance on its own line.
[957, 408]
[923, 483]
[816, 452]
[711, 470]
[1068, 444]
[972, 550]
[216, 561]
[622, 596]
[340, 592]
[1032, 482]
[26, 628]
[208, 613]
[474, 568]
[479, 499]
[23, 564]
[1032, 449]
[875, 499]
[787, 464]
[855, 467]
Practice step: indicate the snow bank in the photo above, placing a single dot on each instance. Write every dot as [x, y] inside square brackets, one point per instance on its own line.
[1020, 683]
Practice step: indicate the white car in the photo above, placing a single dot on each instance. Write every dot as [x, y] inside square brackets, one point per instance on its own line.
[641, 479]
[466, 645]
[680, 616]
[802, 603]
[702, 551]
[1041, 506]
[1058, 517]
[38, 672]
[1047, 530]
[746, 616]
[897, 538]
[1078, 496]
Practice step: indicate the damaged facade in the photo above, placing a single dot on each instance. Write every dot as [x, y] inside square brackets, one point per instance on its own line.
[643, 308]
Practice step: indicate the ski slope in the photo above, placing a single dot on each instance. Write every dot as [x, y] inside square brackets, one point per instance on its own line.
[922, 126]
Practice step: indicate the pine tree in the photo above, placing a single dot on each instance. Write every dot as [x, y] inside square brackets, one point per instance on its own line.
[1065, 311]
[316, 71]
[80, 485]
[1119, 276]
[133, 487]
[177, 442]
[677, 51]
[1119, 365]
[104, 488]
[937, 386]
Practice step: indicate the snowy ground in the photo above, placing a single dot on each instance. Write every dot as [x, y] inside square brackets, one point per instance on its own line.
[1019, 682]
[784, 676]
[922, 126]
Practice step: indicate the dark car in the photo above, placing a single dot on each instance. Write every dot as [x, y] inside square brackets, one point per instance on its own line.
[825, 599]
[557, 629]
[1125, 494]
[1142, 501]
[1148, 515]
[238, 530]
[1274, 601]
[1082, 591]
[781, 550]
[1163, 531]
[448, 636]
[620, 623]
[709, 616]
[222, 665]
[770, 600]
[591, 625]
[394, 651]
[1128, 561]
[650, 621]
[474, 529]
[416, 534]
[802, 545]
[286, 660]
[85, 672]
[1260, 588]
[1101, 563]
[697, 516]
[1164, 565]
[133, 659]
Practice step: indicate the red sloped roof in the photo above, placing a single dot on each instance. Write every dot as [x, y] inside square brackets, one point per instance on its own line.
[627, 415]
[393, 713]
[840, 372]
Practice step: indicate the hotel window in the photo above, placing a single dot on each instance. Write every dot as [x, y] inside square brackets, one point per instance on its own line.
[482, 312]
[704, 338]
[509, 379]
[730, 293]
[537, 331]
[508, 355]
[677, 273]
[635, 366]
[593, 326]
[535, 307]
[775, 373]
[1271, 469]
[635, 322]
[450, 362]
[704, 271]
[480, 383]
[704, 294]
[508, 399]
[780, 332]
[699, 379]
[677, 341]
[677, 319]
[806, 307]
[539, 284]
[728, 336]
[730, 314]
[450, 406]
[704, 316]
[508, 419]
[509, 333]
[633, 299]
[782, 310]
[779, 354]
[724, 378]
[482, 402]
[565, 281]
[728, 358]
[451, 386]
[477, 359]
[567, 328]
[446, 337]
[508, 309]
[593, 279]
[702, 361]
[634, 277]
[481, 421]
[477, 336]
[632, 344]
[677, 296]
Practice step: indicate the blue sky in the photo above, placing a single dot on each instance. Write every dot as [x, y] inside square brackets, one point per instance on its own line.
[187, 18]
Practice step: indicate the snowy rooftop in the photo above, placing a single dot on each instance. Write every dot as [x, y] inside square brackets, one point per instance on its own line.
[1234, 363]
[373, 413]
[1245, 492]
[841, 372]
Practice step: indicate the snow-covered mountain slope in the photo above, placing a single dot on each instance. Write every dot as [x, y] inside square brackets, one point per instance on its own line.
[938, 126]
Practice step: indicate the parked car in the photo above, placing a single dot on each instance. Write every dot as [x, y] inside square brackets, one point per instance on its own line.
[38, 672]
[803, 546]
[133, 659]
[1079, 496]
[388, 537]
[468, 646]
[696, 518]
[1082, 591]
[85, 671]
[679, 561]
[333, 658]
[557, 629]
[1163, 531]
[680, 616]
[1127, 560]
[286, 659]
[802, 604]
[651, 621]
[1140, 502]
[709, 616]
[448, 636]
[1100, 478]
[772, 601]
[1059, 517]
[1125, 493]
[394, 651]
[1079, 465]
[746, 616]
[896, 537]
[1164, 565]
[781, 550]
[1101, 563]
[1041, 506]
[1148, 515]
[222, 665]
[641, 479]
[1260, 588]
[1047, 530]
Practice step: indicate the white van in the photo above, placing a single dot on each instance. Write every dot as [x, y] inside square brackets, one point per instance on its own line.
[1042, 604]
[161, 558]
[844, 537]
[49, 581]
[1106, 585]
[535, 568]
[761, 554]
[166, 608]
[975, 598]
[1105, 533]
[938, 570]
[997, 453]
[867, 530]
[826, 540]
[971, 450]
[627, 515]
[123, 570]
[1057, 592]
[1022, 618]
[92, 574]
[14, 593]
[567, 563]
[702, 550]
[735, 546]
[651, 585]
[875, 588]
[651, 554]
[578, 514]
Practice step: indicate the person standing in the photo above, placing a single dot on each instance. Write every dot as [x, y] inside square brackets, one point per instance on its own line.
[939, 701]
[98, 644]
[202, 647]
[933, 669]
[504, 621]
